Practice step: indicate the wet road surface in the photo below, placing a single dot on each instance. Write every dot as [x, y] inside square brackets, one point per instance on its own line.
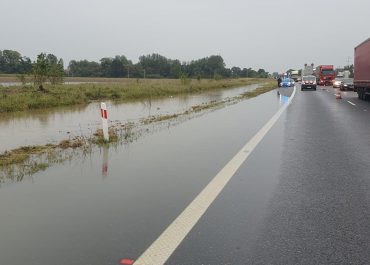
[301, 197]
[308, 202]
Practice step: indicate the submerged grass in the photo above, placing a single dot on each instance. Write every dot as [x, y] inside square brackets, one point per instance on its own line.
[25, 98]
[21, 154]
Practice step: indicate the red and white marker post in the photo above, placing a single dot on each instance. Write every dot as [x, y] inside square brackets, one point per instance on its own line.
[104, 118]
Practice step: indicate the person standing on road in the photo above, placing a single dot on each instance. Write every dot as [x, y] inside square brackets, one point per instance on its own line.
[279, 81]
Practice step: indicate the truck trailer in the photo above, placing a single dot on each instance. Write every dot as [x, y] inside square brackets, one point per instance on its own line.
[361, 79]
[307, 70]
[325, 75]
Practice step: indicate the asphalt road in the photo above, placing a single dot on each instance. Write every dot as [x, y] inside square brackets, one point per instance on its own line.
[307, 203]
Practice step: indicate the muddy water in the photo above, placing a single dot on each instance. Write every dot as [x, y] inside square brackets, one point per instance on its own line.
[114, 203]
[51, 126]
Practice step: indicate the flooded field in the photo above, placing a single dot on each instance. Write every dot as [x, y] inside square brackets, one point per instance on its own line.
[51, 126]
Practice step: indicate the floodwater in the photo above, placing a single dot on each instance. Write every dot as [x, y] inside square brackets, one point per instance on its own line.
[112, 204]
[53, 125]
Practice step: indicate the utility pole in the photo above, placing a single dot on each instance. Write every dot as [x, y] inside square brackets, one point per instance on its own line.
[144, 73]
[128, 72]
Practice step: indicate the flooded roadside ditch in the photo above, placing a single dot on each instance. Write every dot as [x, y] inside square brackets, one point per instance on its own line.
[57, 136]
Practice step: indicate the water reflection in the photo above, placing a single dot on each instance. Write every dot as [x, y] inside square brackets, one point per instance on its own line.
[283, 99]
[105, 161]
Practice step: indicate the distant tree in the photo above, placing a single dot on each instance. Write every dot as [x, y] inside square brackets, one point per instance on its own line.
[47, 67]
[155, 65]
[116, 68]
[51, 59]
[227, 73]
[236, 72]
[350, 69]
[55, 71]
[11, 62]
[40, 70]
[262, 73]
[175, 69]
[105, 64]
[84, 68]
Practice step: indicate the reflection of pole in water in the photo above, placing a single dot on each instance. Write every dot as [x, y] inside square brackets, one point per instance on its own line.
[105, 161]
[283, 99]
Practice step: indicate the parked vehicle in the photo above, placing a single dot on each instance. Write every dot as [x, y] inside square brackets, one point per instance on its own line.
[362, 70]
[347, 84]
[337, 82]
[308, 82]
[325, 75]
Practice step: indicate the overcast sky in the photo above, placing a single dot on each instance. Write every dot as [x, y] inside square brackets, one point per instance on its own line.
[271, 34]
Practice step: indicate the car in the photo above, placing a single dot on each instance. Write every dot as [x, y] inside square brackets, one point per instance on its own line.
[337, 82]
[308, 82]
[347, 84]
[287, 82]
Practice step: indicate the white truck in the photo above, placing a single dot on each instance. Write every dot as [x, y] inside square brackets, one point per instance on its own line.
[307, 70]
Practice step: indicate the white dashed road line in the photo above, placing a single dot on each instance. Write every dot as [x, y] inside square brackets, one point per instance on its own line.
[353, 104]
[163, 247]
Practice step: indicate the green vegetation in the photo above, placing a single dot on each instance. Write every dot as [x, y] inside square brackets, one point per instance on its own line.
[149, 66]
[47, 67]
[98, 138]
[266, 87]
[22, 99]
[21, 154]
[12, 62]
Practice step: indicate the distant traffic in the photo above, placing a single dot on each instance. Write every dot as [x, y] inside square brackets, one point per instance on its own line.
[352, 77]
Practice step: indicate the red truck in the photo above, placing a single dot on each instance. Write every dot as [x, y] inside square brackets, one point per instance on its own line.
[325, 75]
[362, 70]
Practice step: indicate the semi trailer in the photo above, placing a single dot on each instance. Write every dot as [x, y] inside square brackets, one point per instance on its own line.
[361, 79]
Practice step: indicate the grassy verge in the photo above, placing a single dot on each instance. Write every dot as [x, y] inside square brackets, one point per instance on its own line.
[26, 98]
[266, 87]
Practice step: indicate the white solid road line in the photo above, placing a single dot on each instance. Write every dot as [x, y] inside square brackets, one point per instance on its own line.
[163, 247]
[353, 104]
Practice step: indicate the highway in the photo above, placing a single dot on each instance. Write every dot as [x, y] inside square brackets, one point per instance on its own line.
[299, 192]
[311, 208]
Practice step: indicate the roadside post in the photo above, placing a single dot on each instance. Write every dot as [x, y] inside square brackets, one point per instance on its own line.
[104, 118]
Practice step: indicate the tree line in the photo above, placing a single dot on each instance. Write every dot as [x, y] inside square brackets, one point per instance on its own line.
[149, 66]
[158, 66]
